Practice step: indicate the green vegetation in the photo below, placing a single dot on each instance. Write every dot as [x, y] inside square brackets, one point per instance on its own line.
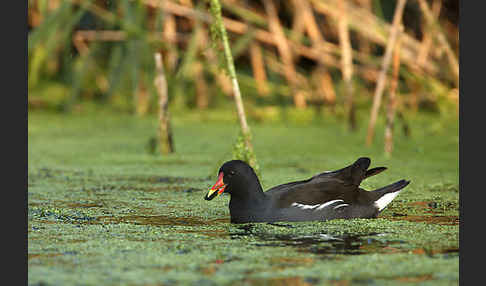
[104, 210]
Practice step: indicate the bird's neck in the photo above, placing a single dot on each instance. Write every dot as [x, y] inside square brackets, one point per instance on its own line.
[248, 208]
[253, 195]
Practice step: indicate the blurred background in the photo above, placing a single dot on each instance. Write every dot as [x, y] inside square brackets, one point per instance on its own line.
[318, 57]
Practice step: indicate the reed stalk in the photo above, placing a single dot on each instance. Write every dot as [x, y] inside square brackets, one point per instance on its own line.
[428, 36]
[284, 51]
[380, 86]
[325, 83]
[258, 66]
[220, 33]
[392, 102]
[165, 131]
[433, 23]
[347, 63]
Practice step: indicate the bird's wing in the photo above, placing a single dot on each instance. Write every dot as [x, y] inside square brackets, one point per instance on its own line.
[353, 174]
[315, 191]
[286, 186]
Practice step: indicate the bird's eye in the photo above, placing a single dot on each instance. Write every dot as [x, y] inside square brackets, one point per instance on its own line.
[232, 173]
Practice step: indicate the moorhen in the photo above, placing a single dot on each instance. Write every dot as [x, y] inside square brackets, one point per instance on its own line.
[325, 196]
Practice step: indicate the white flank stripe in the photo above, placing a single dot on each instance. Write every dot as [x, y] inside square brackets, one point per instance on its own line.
[382, 202]
[340, 206]
[327, 204]
[315, 207]
[304, 207]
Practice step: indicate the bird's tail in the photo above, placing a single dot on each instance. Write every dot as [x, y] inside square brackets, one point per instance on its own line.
[383, 196]
[374, 171]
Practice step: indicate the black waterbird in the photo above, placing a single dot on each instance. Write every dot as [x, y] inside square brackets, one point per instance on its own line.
[325, 196]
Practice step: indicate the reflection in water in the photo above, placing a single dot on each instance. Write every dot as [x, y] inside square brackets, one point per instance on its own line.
[326, 244]
[321, 243]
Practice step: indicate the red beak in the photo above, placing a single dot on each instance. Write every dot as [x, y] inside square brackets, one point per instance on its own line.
[217, 189]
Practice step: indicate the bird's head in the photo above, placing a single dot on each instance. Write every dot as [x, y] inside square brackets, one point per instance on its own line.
[233, 177]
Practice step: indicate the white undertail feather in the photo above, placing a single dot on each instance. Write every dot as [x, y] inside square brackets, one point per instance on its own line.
[382, 202]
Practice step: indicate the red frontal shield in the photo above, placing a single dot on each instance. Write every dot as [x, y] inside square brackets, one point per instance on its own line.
[217, 189]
